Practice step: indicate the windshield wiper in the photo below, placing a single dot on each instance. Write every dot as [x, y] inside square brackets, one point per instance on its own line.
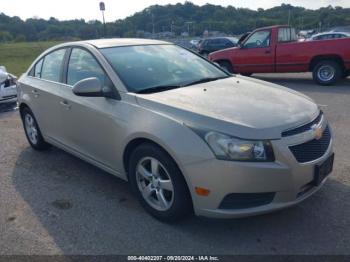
[159, 88]
[206, 79]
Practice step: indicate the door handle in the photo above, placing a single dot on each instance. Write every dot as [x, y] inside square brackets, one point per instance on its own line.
[65, 104]
[268, 52]
[35, 93]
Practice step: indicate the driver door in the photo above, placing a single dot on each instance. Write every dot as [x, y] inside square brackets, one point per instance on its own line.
[90, 123]
[256, 54]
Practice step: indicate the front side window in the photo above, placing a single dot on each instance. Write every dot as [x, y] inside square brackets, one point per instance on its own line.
[83, 65]
[258, 39]
[325, 37]
[148, 66]
[52, 65]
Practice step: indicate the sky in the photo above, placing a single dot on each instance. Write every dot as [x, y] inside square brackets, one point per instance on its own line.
[119, 9]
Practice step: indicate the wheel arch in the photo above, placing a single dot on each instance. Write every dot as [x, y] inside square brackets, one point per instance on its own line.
[134, 143]
[22, 106]
[332, 57]
[220, 60]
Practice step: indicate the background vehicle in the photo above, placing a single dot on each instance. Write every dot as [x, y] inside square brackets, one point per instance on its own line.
[186, 134]
[8, 88]
[194, 43]
[276, 49]
[329, 35]
[209, 45]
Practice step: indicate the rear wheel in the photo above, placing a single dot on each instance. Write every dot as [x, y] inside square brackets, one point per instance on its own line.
[327, 72]
[32, 130]
[158, 183]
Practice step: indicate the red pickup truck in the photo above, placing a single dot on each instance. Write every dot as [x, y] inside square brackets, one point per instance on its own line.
[275, 49]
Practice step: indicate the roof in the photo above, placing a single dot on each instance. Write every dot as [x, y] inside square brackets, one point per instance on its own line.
[270, 27]
[331, 33]
[112, 42]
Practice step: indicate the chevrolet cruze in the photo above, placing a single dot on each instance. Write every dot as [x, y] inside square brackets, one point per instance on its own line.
[187, 135]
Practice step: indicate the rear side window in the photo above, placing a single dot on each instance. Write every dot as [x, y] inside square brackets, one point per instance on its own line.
[37, 68]
[83, 65]
[52, 65]
[286, 34]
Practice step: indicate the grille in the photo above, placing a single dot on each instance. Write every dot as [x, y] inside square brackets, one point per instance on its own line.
[313, 149]
[304, 128]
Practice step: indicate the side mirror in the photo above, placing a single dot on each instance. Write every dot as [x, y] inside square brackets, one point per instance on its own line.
[90, 87]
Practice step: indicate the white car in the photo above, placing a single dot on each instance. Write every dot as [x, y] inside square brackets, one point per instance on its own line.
[329, 35]
[8, 86]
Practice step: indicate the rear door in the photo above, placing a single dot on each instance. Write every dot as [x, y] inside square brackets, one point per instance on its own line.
[256, 55]
[44, 88]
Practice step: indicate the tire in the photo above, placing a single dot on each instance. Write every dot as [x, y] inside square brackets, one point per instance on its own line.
[226, 66]
[246, 74]
[327, 72]
[205, 54]
[176, 204]
[32, 131]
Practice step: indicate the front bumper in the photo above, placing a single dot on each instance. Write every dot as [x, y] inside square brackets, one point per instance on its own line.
[289, 180]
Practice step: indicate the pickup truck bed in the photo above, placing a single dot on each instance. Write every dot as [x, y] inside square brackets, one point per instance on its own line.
[329, 60]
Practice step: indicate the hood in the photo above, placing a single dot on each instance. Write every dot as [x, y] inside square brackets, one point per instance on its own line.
[239, 106]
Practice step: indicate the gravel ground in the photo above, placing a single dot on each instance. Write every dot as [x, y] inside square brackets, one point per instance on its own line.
[54, 203]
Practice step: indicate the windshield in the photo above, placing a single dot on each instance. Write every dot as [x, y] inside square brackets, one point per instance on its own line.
[151, 66]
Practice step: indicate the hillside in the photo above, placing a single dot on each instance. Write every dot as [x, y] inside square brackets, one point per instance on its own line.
[173, 18]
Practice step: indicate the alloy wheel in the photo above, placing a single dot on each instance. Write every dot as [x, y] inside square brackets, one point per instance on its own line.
[154, 183]
[31, 128]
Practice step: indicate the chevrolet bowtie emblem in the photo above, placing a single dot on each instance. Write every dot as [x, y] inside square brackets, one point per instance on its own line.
[318, 132]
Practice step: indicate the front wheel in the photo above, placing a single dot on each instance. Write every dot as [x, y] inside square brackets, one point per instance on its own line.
[158, 183]
[246, 74]
[205, 54]
[226, 66]
[327, 72]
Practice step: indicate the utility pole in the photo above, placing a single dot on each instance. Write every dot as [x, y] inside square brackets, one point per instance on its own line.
[103, 8]
[289, 11]
[302, 23]
[153, 25]
[188, 27]
[171, 26]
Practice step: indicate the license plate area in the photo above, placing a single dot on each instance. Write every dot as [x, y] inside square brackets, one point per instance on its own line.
[323, 170]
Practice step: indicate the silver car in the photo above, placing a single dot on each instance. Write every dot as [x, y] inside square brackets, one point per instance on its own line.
[8, 87]
[187, 135]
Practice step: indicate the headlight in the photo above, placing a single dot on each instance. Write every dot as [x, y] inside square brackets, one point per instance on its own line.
[230, 148]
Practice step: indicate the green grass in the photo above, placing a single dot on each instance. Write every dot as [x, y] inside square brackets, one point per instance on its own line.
[17, 57]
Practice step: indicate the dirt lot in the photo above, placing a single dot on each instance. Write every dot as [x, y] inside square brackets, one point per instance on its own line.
[54, 203]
